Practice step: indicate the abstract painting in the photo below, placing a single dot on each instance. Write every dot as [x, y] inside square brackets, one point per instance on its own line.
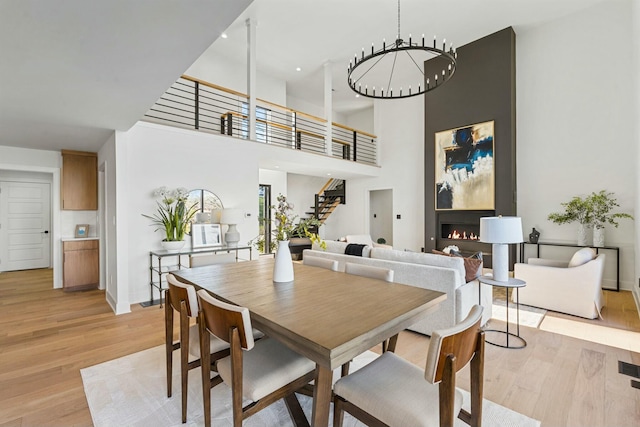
[464, 168]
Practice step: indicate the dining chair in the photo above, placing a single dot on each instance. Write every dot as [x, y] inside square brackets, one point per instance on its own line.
[182, 298]
[316, 261]
[370, 271]
[211, 259]
[390, 392]
[262, 371]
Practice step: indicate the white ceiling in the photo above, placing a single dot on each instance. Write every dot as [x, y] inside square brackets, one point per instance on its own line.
[74, 70]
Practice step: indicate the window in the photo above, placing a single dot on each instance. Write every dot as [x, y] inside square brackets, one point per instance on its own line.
[205, 201]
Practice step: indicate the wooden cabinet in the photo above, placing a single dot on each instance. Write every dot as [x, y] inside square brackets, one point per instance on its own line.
[79, 181]
[81, 265]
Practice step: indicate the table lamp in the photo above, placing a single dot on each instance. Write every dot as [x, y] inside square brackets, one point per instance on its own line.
[500, 231]
[231, 217]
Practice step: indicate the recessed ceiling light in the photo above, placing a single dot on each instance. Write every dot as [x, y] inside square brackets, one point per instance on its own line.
[298, 69]
[329, 174]
[277, 167]
[357, 95]
[223, 35]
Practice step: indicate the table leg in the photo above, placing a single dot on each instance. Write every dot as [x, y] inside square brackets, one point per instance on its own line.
[321, 397]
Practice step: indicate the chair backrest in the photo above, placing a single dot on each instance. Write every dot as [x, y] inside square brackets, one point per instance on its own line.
[316, 261]
[178, 292]
[460, 341]
[219, 318]
[211, 259]
[369, 271]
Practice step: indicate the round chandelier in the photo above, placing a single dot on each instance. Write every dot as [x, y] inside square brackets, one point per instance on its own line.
[396, 71]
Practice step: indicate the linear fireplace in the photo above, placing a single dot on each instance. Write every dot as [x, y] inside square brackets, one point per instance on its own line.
[462, 229]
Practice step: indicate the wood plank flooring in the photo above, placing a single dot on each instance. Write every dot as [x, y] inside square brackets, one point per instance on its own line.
[47, 336]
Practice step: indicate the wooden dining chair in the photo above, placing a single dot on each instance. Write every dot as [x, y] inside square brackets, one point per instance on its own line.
[211, 259]
[372, 272]
[316, 261]
[369, 271]
[262, 371]
[390, 392]
[182, 298]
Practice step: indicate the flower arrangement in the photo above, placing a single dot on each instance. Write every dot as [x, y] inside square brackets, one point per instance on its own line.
[173, 215]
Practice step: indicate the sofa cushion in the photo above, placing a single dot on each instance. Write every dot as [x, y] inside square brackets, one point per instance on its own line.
[332, 246]
[420, 258]
[472, 264]
[582, 256]
[361, 239]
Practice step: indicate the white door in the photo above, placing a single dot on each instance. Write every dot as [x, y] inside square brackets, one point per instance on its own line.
[25, 225]
[381, 215]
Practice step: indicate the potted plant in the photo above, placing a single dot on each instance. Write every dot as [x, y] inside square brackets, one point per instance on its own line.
[576, 210]
[173, 216]
[602, 205]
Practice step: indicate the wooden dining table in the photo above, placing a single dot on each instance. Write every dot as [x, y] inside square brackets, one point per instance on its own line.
[329, 317]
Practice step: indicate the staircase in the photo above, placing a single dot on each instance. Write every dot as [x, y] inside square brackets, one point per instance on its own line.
[329, 197]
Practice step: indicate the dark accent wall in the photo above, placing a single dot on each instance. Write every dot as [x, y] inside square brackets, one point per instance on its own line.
[482, 89]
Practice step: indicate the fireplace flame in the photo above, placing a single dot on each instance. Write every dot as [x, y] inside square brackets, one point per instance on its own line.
[455, 235]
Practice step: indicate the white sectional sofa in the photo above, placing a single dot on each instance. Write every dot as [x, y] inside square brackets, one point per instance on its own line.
[429, 271]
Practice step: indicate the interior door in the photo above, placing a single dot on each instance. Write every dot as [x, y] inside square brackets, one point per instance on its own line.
[25, 225]
[381, 215]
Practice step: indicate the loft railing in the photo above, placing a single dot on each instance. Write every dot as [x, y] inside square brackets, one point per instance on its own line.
[196, 104]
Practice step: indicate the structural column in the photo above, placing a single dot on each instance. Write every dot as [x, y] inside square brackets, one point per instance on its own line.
[251, 76]
[328, 107]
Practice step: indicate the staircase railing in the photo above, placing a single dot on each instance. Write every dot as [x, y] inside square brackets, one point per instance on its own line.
[197, 104]
[330, 196]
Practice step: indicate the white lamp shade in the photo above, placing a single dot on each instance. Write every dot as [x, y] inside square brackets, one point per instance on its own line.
[231, 216]
[501, 229]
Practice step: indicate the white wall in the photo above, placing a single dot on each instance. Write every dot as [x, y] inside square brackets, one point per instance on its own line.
[301, 191]
[636, 131]
[361, 120]
[399, 126]
[575, 121]
[162, 156]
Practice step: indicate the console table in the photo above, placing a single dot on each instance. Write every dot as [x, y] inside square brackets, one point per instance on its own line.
[569, 245]
[157, 269]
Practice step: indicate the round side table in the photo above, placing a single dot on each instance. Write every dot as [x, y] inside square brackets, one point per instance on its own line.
[511, 283]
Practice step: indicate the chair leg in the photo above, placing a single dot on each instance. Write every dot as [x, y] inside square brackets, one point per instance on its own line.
[168, 332]
[184, 356]
[205, 369]
[344, 370]
[447, 391]
[236, 377]
[338, 411]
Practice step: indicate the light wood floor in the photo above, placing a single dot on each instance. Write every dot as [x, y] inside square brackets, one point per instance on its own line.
[47, 336]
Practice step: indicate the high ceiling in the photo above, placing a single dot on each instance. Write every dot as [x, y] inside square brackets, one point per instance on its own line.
[74, 70]
[307, 34]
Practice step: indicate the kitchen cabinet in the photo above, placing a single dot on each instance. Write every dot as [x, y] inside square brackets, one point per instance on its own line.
[79, 181]
[81, 264]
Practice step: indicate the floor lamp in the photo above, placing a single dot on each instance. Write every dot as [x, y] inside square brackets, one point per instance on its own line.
[500, 231]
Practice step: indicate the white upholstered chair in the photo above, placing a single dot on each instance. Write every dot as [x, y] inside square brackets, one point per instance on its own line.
[211, 259]
[392, 392]
[573, 287]
[262, 372]
[315, 261]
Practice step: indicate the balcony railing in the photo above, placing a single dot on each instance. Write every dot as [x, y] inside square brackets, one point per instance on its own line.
[195, 104]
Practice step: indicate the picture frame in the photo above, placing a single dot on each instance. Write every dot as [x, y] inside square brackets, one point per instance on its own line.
[82, 230]
[465, 168]
[206, 235]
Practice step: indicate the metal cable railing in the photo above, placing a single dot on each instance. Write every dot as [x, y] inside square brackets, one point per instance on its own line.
[196, 104]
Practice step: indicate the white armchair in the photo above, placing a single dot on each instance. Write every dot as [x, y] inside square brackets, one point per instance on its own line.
[365, 239]
[573, 288]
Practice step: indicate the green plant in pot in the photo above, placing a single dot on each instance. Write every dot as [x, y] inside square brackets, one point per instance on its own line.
[602, 205]
[576, 210]
[173, 216]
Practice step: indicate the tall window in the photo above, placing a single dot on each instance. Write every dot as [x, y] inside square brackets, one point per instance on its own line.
[264, 218]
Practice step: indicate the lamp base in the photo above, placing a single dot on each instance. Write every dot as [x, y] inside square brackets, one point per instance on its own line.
[500, 262]
[232, 236]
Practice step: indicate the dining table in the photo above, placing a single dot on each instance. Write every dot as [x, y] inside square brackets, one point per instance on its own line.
[328, 316]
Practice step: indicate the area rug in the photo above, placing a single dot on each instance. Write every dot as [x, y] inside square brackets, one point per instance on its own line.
[529, 316]
[132, 391]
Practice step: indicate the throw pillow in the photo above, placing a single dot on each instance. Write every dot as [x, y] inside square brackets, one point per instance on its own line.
[582, 256]
[472, 264]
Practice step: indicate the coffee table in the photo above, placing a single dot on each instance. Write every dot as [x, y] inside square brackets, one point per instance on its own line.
[511, 283]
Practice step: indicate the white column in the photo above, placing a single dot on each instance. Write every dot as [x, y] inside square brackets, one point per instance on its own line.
[251, 76]
[328, 106]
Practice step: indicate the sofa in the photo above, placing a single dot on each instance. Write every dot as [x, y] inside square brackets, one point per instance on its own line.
[430, 271]
[573, 287]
